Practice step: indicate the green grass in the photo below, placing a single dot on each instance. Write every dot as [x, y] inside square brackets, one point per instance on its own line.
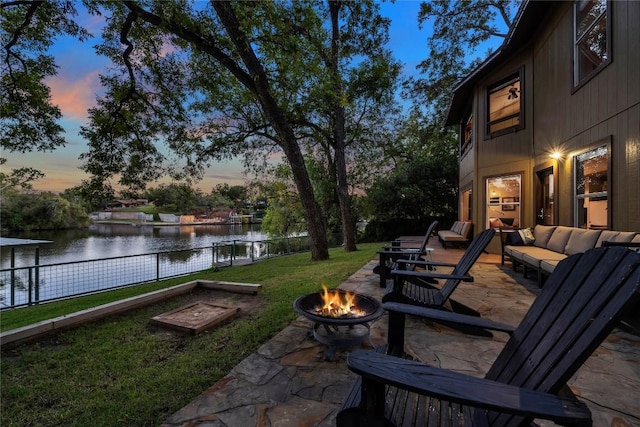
[119, 371]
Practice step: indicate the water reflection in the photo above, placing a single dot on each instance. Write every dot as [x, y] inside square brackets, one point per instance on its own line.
[112, 240]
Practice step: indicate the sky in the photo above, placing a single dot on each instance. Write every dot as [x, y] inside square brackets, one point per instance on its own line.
[75, 86]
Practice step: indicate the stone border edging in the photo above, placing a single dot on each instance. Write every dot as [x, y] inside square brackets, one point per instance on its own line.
[90, 314]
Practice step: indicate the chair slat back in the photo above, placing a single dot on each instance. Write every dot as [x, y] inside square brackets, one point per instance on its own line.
[470, 256]
[580, 304]
[427, 236]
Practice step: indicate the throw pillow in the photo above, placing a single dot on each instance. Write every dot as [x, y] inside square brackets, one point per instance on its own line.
[495, 222]
[514, 239]
[527, 236]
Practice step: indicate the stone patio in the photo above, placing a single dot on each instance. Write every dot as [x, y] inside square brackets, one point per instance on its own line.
[288, 382]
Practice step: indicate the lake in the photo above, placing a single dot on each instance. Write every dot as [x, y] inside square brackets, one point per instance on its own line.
[111, 240]
[66, 266]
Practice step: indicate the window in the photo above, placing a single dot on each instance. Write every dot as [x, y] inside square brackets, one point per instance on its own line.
[545, 197]
[591, 39]
[467, 135]
[505, 106]
[466, 205]
[503, 200]
[591, 196]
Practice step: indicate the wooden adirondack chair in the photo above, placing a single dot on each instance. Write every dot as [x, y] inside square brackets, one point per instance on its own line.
[389, 255]
[579, 306]
[410, 287]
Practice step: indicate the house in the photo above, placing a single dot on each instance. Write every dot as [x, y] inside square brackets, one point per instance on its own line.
[549, 124]
[126, 203]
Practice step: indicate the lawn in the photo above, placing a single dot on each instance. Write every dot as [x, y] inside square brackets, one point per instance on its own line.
[120, 371]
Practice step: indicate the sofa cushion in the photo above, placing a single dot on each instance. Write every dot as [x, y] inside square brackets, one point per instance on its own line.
[548, 265]
[534, 258]
[509, 249]
[581, 240]
[466, 227]
[558, 240]
[542, 234]
[456, 227]
[614, 236]
[528, 252]
[450, 236]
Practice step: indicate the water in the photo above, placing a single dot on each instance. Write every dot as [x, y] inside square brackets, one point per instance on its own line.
[68, 266]
[112, 240]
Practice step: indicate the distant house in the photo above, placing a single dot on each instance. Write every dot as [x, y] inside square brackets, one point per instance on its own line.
[550, 123]
[127, 203]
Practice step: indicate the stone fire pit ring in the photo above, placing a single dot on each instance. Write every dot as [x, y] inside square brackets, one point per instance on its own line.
[331, 331]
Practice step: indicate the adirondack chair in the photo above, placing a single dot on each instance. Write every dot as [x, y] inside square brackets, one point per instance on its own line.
[579, 306]
[389, 255]
[409, 286]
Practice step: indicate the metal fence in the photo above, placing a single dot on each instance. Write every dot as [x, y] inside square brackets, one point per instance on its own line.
[21, 286]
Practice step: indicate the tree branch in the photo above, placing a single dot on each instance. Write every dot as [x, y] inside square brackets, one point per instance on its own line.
[20, 30]
[200, 42]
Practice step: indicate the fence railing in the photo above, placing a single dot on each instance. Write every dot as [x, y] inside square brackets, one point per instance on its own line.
[22, 286]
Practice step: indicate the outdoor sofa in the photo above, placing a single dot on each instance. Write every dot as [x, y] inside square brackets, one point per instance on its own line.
[552, 244]
[458, 235]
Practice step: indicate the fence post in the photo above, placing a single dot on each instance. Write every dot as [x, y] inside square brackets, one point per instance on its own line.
[233, 253]
[37, 296]
[30, 287]
[157, 266]
[13, 277]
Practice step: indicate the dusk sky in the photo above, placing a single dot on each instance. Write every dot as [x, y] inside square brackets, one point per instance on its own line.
[75, 87]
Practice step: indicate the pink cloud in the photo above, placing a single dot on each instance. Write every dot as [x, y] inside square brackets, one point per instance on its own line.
[75, 97]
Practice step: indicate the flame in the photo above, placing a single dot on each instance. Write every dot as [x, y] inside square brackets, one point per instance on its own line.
[338, 304]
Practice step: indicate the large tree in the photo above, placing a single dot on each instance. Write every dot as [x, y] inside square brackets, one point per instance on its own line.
[201, 81]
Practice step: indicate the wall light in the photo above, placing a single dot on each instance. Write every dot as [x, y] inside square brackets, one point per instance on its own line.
[556, 155]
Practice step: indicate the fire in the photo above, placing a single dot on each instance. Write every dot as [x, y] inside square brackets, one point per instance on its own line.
[338, 304]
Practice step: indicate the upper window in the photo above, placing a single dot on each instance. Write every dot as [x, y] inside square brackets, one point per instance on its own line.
[467, 135]
[591, 39]
[505, 106]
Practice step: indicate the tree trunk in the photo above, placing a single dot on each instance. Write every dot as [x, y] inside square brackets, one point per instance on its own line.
[260, 86]
[348, 226]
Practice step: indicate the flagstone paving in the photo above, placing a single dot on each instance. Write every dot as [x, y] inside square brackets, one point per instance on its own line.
[288, 382]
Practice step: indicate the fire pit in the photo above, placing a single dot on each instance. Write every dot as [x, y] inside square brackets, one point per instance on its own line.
[341, 318]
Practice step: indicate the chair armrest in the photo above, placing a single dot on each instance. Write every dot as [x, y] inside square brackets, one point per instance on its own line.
[400, 252]
[430, 275]
[447, 316]
[426, 263]
[464, 389]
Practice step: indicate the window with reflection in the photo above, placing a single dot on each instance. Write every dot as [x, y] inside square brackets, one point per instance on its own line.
[503, 200]
[591, 188]
[592, 40]
[505, 106]
[467, 135]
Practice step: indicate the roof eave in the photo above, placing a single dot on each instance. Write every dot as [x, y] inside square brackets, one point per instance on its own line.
[529, 16]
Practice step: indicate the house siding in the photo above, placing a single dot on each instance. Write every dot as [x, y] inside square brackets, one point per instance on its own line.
[606, 109]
